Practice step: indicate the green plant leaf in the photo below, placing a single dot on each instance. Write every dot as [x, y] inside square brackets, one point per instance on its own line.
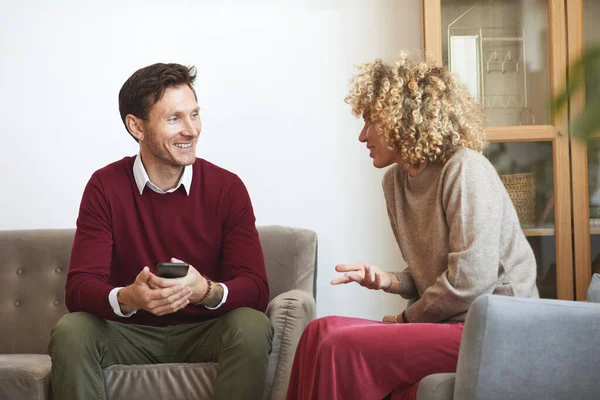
[588, 121]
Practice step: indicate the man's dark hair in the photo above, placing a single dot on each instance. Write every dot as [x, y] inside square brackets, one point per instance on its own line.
[147, 86]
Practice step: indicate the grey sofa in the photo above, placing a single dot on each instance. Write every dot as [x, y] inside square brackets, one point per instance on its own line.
[594, 289]
[33, 266]
[531, 349]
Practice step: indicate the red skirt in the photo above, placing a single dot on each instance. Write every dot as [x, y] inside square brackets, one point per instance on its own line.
[341, 358]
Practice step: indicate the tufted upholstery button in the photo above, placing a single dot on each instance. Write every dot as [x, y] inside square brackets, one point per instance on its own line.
[57, 270]
[20, 271]
[56, 302]
[16, 303]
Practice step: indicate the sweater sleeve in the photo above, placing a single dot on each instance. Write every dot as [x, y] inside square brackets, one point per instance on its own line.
[89, 266]
[243, 264]
[473, 199]
[407, 288]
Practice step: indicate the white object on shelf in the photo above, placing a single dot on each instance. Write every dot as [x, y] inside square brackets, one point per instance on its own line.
[465, 62]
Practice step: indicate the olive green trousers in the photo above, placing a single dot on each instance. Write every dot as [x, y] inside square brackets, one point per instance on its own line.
[82, 344]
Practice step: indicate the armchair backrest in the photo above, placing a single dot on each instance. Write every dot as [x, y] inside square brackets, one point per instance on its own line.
[521, 348]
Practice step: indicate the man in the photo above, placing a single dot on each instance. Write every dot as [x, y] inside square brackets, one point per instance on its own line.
[163, 205]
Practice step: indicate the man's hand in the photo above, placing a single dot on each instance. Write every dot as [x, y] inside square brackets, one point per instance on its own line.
[140, 296]
[369, 276]
[195, 281]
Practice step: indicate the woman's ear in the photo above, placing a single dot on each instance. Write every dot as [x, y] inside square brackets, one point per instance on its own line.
[135, 126]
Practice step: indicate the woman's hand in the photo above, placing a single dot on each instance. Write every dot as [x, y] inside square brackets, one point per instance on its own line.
[369, 276]
[393, 319]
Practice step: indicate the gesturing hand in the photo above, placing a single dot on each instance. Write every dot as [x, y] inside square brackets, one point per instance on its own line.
[140, 296]
[369, 276]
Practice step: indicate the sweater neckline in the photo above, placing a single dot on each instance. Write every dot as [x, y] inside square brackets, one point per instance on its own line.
[424, 179]
[148, 192]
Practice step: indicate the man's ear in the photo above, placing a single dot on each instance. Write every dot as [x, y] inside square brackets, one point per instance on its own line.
[135, 126]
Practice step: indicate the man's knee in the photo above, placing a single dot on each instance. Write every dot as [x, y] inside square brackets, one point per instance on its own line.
[75, 332]
[249, 330]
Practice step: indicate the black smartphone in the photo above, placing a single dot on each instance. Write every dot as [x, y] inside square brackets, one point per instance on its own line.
[172, 270]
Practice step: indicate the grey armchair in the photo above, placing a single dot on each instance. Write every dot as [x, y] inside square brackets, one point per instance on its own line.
[33, 266]
[533, 349]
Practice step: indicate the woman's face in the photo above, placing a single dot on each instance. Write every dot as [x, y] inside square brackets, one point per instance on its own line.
[381, 154]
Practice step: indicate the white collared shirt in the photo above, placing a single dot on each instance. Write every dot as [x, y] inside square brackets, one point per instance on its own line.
[142, 180]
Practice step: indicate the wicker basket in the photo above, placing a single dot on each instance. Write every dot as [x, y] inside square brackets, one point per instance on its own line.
[521, 189]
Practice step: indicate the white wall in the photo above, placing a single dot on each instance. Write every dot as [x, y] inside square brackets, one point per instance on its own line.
[272, 76]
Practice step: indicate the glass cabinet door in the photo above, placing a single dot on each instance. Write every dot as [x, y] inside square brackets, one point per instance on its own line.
[511, 54]
[527, 171]
[499, 49]
[584, 32]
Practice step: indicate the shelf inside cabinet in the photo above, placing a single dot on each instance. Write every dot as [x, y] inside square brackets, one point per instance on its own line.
[549, 230]
[541, 231]
[594, 226]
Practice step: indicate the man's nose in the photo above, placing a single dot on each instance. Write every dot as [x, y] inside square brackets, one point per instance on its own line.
[190, 128]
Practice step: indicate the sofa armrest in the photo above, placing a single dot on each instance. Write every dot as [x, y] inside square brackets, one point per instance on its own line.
[593, 293]
[515, 348]
[289, 312]
[437, 387]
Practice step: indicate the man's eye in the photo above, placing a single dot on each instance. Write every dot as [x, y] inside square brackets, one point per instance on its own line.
[195, 115]
[172, 119]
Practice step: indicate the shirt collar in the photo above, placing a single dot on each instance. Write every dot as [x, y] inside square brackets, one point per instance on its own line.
[142, 180]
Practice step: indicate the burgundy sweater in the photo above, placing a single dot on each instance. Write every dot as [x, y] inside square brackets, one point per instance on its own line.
[120, 231]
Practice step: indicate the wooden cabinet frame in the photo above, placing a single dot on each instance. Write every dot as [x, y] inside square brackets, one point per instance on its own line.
[579, 161]
[557, 133]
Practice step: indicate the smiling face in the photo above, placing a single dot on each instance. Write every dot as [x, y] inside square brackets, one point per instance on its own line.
[381, 154]
[172, 129]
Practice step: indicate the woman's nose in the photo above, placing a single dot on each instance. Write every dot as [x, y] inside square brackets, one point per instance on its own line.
[362, 137]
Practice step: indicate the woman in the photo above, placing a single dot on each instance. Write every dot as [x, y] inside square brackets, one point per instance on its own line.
[454, 222]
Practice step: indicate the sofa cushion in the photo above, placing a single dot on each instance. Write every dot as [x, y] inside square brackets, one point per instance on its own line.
[160, 381]
[24, 376]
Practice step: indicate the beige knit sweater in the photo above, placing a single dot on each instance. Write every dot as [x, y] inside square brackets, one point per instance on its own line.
[460, 236]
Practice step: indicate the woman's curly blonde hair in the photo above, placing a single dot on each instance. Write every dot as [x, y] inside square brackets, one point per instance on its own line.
[424, 112]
